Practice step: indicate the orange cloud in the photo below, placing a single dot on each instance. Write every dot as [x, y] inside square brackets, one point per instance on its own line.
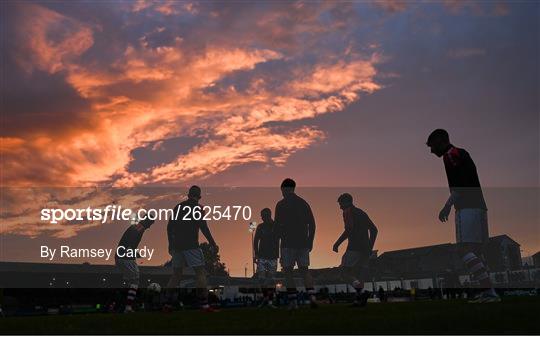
[226, 92]
[38, 50]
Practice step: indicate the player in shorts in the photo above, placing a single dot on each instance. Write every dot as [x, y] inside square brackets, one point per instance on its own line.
[466, 196]
[183, 234]
[296, 226]
[128, 265]
[266, 251]
[361, 234]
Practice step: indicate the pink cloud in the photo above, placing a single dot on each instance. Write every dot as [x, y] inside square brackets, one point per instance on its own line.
[186, 92]
[38, 51]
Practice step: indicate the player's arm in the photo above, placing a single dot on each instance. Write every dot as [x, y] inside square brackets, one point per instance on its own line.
[203, 226]
[170, 226]
[311, 227]
[373, 231]
[278, 223]
[340, 240]
[256, 241]
[456, 173]
[348, 222]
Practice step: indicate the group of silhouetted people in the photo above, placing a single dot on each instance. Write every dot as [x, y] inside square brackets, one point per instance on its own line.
[289, 237]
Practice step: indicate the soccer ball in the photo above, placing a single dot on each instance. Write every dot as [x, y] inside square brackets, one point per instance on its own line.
[154, 287]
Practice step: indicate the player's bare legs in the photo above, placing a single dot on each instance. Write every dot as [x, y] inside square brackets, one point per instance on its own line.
[291, 287]
[171, 294]
[354, 276]
[308, 283]
[266, 284]
[270, 289]
[201, 284]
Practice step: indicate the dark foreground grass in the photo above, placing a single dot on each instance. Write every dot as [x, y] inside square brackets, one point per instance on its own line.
[513, 315]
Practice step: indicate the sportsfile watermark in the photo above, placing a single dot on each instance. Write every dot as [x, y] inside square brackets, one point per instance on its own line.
[119, 213]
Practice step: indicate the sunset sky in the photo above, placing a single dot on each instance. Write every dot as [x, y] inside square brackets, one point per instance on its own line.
[340, 95]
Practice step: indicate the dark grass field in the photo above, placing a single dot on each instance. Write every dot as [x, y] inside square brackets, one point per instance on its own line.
[513, 315]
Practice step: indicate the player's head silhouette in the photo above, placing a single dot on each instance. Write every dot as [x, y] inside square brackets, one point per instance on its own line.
[287, 187]
[194, 192]
[345, 201]
[438, 141]
[266, 215]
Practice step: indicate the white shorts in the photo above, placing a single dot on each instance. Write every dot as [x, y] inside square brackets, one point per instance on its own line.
[471, 225]
[187, 258]
[266, 265]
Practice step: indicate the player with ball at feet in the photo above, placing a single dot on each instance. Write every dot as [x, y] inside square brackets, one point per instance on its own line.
[126, 263]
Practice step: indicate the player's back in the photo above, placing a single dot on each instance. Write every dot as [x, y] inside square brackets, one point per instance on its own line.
[358, 239]
[463, 178]
[183, 229]
[269, 240]
[130, 239]
[293, 216]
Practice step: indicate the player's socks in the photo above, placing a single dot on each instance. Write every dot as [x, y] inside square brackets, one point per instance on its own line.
[491, 292]
[131, 295]
[361, 296]
[205, 306]
[312, 298]
[292, 298]
[266, 299]
[478, 270]
[170, 296]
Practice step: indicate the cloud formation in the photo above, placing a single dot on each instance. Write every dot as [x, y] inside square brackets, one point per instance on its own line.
[159, 80]
[87, 90]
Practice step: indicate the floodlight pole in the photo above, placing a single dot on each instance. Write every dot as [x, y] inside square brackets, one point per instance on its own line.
[252, 254]
[252, 228]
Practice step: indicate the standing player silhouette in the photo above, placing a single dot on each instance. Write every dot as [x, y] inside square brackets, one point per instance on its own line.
[296, 226]
[361, 234]
[266, 249]
[471, 211]
[183, 235]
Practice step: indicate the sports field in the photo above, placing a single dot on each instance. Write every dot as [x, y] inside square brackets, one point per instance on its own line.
[513, 315]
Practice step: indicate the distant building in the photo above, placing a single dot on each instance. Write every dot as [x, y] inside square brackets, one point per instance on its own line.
[536, 260]
[429, 260]
[503, 253]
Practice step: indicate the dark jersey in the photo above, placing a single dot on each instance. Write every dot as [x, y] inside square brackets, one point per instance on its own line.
[266, 242]
[184, 234]
[357, 225]
[130, 240]
[463, 179]
[295, 222]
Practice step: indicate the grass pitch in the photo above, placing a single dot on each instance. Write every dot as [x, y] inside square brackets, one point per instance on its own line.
[513, 315]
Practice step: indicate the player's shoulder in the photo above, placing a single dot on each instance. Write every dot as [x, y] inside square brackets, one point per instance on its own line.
[455, 156]
[131, 228]
[359, 213]
[188, 202]
[358, 210]
[301, 200]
